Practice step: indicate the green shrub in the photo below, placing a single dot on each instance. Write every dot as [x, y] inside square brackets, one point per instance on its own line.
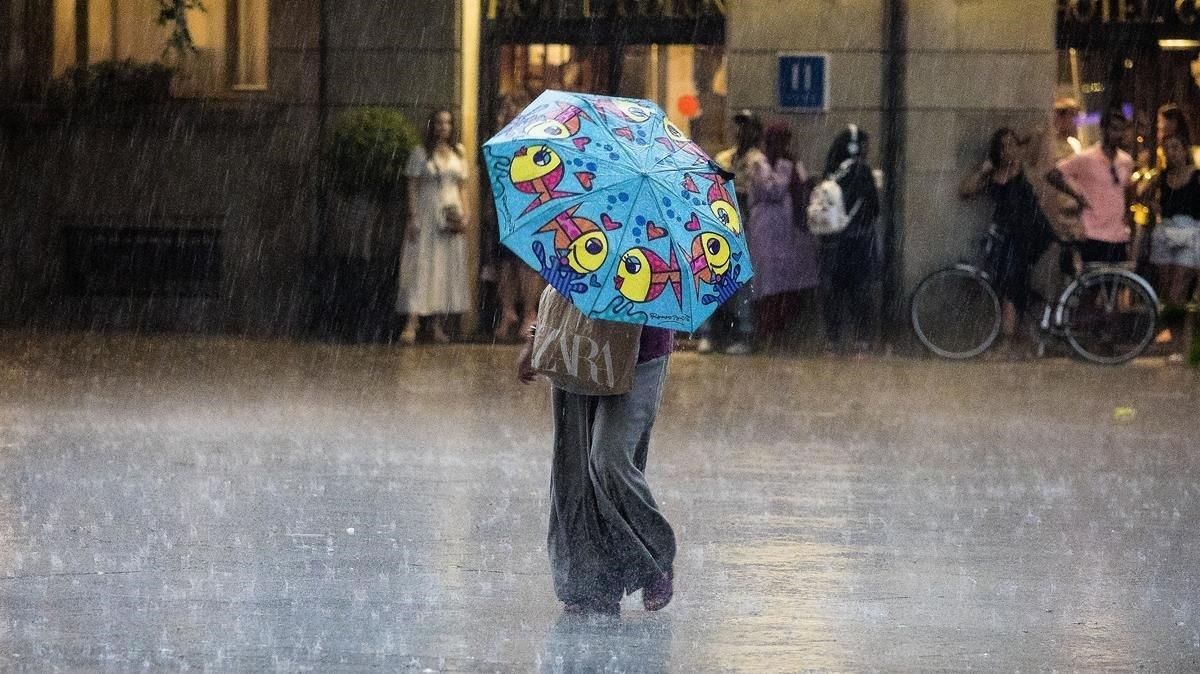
[367, 151]
[111, 84]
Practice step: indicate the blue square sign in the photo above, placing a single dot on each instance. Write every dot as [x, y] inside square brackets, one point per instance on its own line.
[804, 82]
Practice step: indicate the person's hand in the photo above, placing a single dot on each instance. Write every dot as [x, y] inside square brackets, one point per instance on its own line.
[525, 372]
[1083, 203]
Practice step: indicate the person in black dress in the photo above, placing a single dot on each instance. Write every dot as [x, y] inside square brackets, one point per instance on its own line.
[1021, 232]
[1175, 246]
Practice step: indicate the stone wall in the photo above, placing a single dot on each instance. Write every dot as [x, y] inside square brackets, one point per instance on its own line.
[849, 30]
[971, 68]
[241, 162]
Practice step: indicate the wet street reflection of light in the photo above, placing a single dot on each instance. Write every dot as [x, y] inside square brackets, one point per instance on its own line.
[244, 505]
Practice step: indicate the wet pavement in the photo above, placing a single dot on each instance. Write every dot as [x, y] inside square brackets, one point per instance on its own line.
[171, 502]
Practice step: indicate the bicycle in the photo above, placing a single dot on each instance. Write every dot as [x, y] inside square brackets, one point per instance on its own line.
[1107, 313]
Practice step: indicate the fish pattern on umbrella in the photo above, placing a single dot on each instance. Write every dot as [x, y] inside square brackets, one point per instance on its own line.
[618, 209]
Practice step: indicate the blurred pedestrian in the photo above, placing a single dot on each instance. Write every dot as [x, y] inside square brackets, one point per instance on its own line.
[1020, 230]
[1066, 131]
[1099, 179]
[850, 259]
[518, 285]
[608, 536]
[1175, 247]
[433, 269]
[783, 252]
[733, 321]
[1172, 122]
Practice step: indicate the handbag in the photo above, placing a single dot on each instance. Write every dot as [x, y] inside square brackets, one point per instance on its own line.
[581, 355]
[451, 219]
[1178, 231]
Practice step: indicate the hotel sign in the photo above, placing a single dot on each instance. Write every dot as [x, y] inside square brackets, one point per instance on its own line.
[603, 9]
[1168, 12]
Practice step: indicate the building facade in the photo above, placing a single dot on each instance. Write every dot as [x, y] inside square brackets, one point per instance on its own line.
[230, 160]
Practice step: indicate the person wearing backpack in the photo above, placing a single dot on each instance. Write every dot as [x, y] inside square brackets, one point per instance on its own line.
[843, 211]
[783, 251]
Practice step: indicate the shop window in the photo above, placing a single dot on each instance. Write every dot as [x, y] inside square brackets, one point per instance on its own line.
[250, 44]
[687, 81]
[230, 39]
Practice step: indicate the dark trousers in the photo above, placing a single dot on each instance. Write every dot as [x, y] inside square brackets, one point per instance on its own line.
[848, 269]
[607, 535]
[1093, 250]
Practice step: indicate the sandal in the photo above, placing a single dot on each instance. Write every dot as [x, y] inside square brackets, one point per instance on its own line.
[657, 595]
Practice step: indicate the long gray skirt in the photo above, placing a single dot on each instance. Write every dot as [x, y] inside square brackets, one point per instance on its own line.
[607, 536]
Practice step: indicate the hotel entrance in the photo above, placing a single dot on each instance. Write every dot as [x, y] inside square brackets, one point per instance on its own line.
[1133, 55]
[670, 52]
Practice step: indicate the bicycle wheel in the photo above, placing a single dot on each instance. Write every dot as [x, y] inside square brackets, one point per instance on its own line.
[1109, 316]
[956, 313]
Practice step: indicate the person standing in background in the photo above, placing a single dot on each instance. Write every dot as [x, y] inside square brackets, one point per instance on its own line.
[433, 271]
[1172, 122]
[784, 255]
[737, 315]
[850, 259]
[517, 284]
[1020, 231]
[1066, 141]
[1099, 179]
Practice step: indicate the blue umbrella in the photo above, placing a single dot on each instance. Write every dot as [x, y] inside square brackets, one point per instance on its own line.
[618, 210]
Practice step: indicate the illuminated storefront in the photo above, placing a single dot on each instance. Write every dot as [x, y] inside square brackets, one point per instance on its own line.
[1137, 54]
[669, 51]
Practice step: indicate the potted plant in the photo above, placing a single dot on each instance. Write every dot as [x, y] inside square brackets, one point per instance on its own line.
[364, 160]
[108, 86]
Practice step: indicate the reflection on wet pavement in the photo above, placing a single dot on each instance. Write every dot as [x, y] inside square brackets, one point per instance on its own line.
[233, 504]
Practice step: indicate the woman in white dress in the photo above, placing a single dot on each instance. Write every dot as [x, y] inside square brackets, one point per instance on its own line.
[433, 269]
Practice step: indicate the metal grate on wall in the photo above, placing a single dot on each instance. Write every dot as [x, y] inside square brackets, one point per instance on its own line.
[100, 261]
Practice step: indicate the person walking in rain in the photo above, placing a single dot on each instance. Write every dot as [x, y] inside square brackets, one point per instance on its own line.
[608, 537]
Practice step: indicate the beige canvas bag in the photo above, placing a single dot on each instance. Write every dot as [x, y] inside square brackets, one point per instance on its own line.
[581, 355]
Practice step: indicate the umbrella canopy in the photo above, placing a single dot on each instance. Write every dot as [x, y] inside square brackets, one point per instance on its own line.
[618, 210]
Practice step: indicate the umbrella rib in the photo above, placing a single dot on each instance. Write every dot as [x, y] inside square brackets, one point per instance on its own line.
[681, 256]
[619, 248]
[598, 116]
[564, 204]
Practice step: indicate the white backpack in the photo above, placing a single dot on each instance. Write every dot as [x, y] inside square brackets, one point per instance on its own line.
[827, 213]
